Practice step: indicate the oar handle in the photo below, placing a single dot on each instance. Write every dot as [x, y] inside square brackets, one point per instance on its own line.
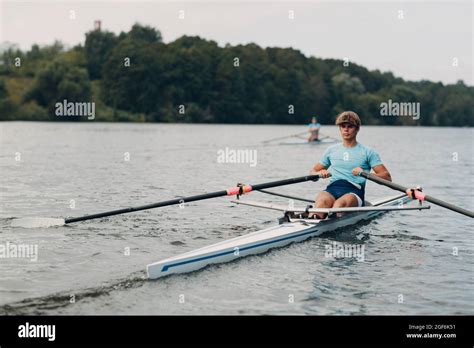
[417, 194]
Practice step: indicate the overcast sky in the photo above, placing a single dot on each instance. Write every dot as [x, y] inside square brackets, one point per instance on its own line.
[421, 45]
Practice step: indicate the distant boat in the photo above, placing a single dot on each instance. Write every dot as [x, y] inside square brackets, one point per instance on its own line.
[323, 140]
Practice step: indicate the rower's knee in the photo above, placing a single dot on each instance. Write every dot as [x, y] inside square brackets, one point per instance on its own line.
[340, 204]
[348, 200]
[324, 200]
[323, 203]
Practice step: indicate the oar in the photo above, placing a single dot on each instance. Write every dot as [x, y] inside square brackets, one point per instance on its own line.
[287, 196]
[417, 194]
[280, 138]
[327, 136]
[238, 190]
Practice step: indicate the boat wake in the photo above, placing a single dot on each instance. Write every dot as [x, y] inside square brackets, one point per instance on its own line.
[36, 222]
[46, 304]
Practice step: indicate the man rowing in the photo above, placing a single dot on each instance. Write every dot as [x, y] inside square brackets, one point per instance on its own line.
[343, 163]
[313, 129]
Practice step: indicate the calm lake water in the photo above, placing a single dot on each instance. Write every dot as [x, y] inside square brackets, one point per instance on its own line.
[415, 262]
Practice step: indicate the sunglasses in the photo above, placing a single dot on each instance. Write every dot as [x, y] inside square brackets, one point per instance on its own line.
[346, 125]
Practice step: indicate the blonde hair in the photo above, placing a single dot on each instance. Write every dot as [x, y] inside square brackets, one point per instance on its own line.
[348, 117]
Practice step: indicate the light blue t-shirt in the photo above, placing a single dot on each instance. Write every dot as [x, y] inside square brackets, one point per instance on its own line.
[341, 160]
[317, 125]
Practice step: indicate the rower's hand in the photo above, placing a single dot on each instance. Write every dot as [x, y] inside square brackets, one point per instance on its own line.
[411, 192]
[323, 173]
[356, 171]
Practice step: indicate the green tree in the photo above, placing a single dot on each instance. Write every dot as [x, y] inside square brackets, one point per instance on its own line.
[133, 77]
[97, 48]
[60, 80]
[142, 33]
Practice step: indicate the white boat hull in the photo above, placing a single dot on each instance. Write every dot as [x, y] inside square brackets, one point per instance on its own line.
[260, 241]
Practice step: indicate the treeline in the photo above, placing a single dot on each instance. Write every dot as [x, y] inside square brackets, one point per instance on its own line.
[134, 76]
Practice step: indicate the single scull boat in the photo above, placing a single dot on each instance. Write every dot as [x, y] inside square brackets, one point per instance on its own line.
[293, 228]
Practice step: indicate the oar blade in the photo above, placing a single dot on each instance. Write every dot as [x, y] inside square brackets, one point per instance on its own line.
[36, 222]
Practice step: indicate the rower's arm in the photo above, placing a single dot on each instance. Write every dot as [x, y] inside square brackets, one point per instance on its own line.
[382, 172]
[317, 168]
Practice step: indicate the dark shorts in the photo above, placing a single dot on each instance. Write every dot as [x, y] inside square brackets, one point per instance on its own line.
[341, 187]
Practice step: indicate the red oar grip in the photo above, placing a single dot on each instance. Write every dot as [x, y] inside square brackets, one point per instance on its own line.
[239, 190]
[415, 194]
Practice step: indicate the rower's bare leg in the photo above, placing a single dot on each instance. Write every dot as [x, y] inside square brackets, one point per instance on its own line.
[323, 200]
[348, 200]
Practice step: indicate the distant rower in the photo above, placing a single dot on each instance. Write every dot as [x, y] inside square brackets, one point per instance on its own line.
[313, 130]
